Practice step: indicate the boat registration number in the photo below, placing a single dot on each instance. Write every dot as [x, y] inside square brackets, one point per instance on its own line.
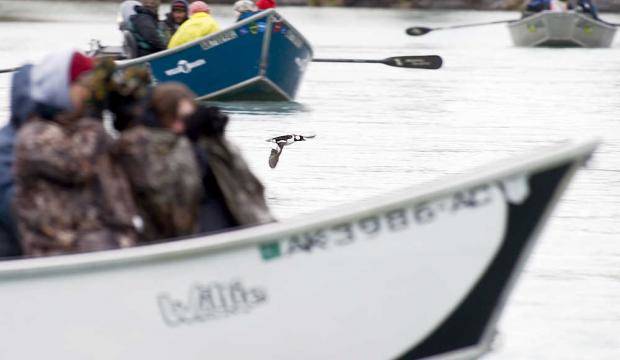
[218, 40]
[369, 227]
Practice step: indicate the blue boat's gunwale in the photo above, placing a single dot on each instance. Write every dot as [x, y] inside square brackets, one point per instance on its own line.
[297, 32]
[270, 12]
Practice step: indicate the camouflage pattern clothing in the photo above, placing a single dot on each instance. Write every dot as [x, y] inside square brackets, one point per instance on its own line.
[165, 180]
[70, 197]
[243, 193]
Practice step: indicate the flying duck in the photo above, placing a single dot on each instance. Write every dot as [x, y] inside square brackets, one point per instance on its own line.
[279, 142]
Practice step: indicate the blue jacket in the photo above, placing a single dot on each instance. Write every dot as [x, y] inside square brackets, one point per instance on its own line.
[538, 5]
[21, 107]
[9, 245]
[588, 7]
[245, 15]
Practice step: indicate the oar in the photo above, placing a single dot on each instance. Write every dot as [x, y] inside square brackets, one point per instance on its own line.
[607, 23]
[412, 62]
[420, 30]
[9, 70]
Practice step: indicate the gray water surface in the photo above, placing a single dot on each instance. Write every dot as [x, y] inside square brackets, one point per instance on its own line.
[381, 128]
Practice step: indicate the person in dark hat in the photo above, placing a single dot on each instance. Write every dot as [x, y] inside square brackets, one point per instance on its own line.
[177, 16]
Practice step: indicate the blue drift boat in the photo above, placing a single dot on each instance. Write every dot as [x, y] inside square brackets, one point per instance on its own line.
[261, 58]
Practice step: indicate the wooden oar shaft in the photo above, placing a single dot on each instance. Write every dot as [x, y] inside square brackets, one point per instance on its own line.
[410, 62]
[472, 25]
[348, 60]
[422, 30]
[8, 70]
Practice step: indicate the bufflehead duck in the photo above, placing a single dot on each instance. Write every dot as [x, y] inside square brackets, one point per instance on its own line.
[279, 142]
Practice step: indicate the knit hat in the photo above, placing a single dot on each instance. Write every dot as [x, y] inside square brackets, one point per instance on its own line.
[179, 4]
[51, 79]
[265, 4]
[198, 6]
[79, 65]
[242, 6]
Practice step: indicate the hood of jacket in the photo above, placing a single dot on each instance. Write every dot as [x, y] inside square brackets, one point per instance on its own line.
[49, 83]
[200, 15]
[22, 104]
[128, 8]
[146, 11]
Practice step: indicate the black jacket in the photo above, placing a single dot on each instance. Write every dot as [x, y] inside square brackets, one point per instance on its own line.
[145, 27]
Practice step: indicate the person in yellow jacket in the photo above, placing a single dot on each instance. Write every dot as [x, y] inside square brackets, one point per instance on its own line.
[199, 24]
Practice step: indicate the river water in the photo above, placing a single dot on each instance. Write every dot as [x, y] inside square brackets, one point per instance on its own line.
[380, 128]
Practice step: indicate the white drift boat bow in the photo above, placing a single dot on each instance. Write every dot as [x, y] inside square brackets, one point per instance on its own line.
[419, 273]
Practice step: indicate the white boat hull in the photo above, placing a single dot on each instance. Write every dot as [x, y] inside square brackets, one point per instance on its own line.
[562, 29]
[422, 272]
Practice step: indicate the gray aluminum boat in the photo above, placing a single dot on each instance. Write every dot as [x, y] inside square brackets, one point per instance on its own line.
[562, 29]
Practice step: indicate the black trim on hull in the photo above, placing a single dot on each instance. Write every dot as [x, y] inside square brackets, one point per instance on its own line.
[467, 324]
[560, 44]
[257, 91]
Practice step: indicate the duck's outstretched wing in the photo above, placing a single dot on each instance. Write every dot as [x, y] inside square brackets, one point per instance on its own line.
[274, 156]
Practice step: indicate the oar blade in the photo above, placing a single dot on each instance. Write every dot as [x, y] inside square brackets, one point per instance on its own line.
[418, 31]
[431, 62]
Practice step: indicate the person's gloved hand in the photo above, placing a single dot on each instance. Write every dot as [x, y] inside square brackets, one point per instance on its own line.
[206, 121]
[128, 96]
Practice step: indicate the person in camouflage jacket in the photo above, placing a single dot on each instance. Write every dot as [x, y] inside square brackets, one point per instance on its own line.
[160, 163]
[234, 196]
[70, 196]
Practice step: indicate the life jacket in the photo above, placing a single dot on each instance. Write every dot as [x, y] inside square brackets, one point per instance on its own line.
[197, 26]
